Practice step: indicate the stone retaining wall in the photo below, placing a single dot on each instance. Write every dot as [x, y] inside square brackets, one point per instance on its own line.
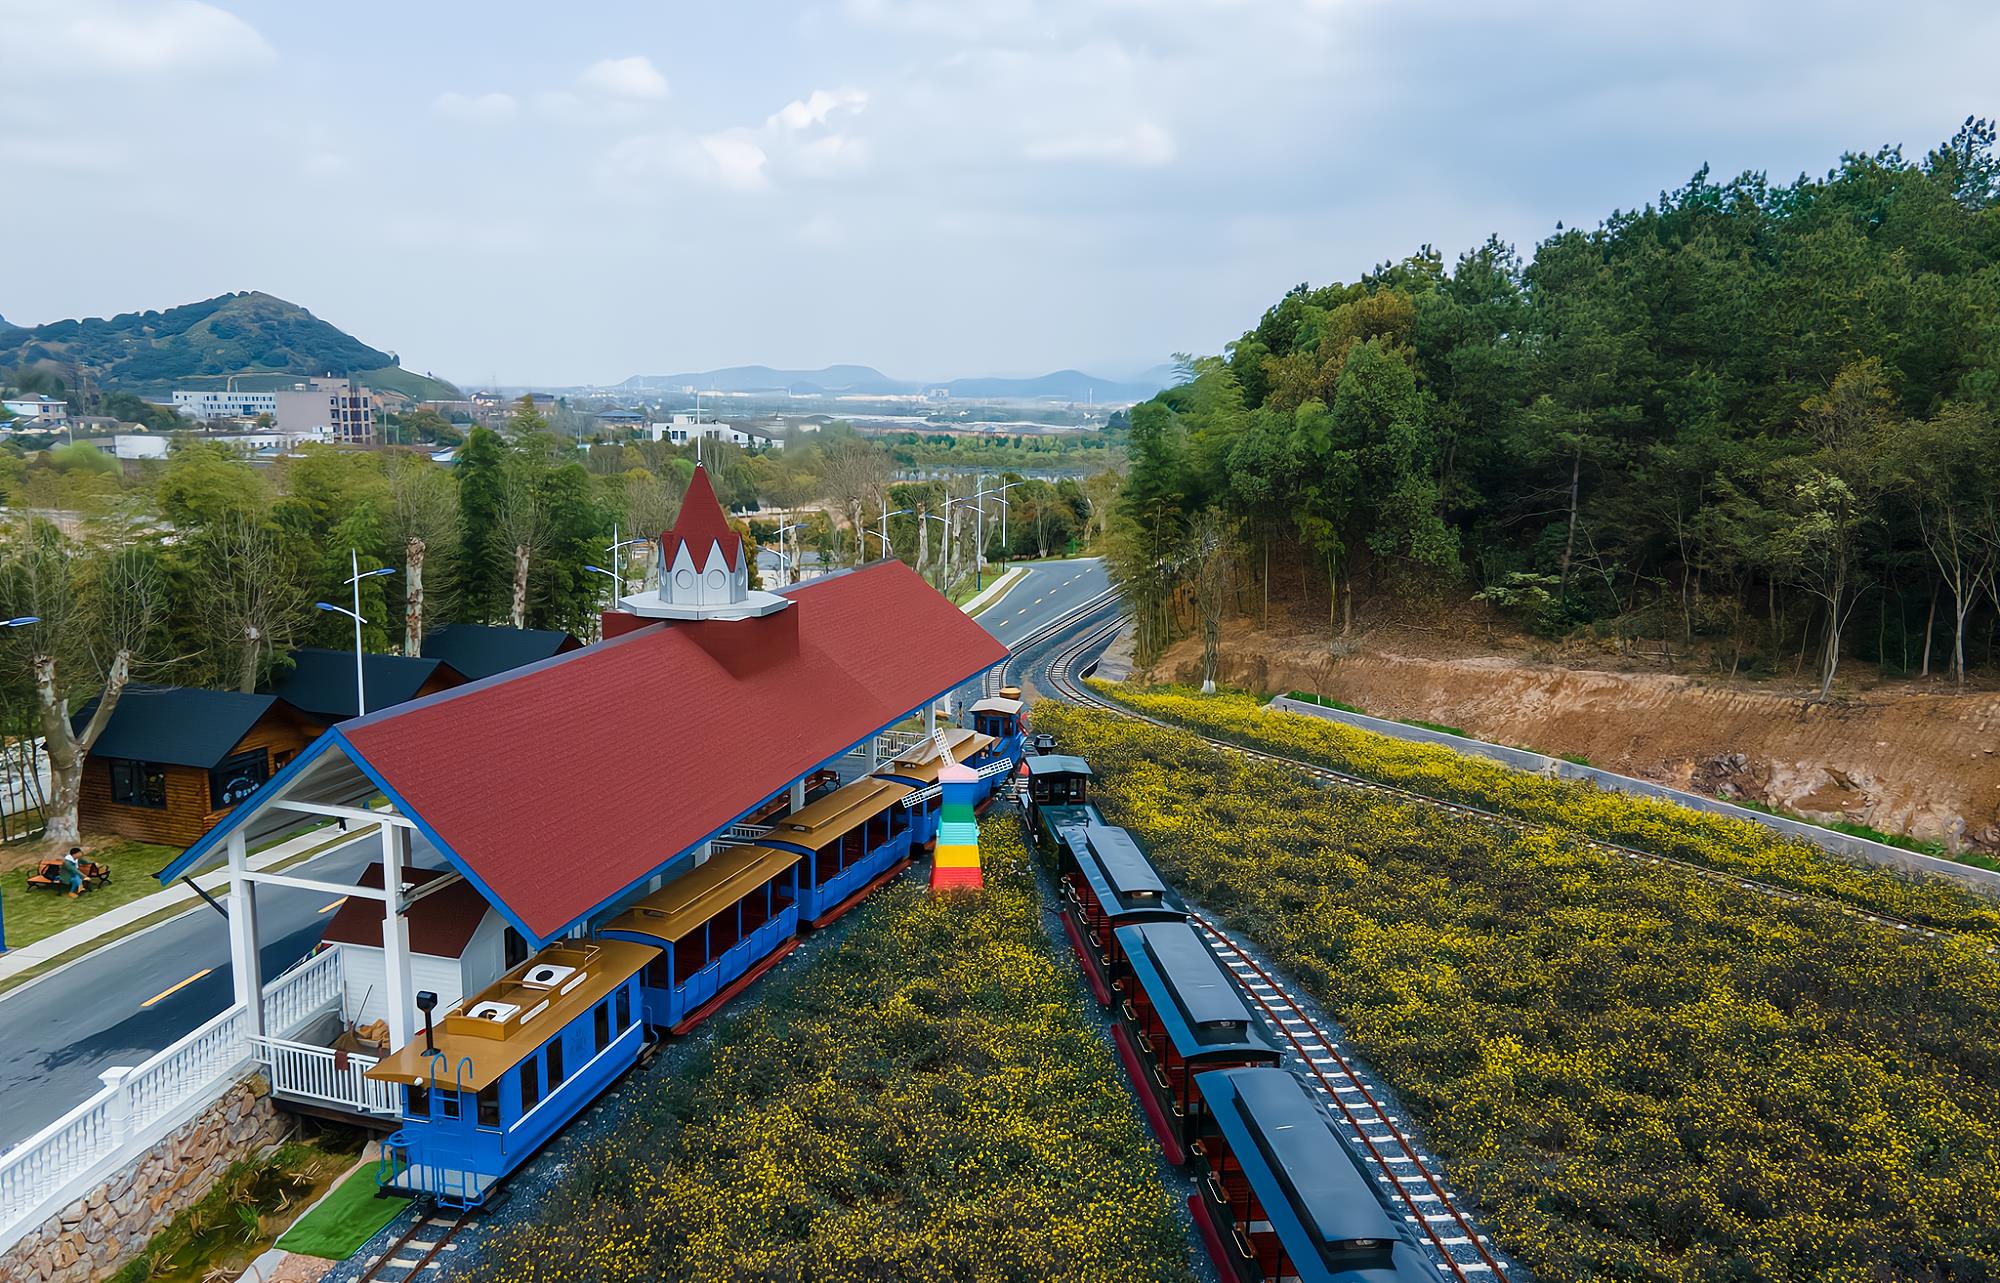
[107, 1227]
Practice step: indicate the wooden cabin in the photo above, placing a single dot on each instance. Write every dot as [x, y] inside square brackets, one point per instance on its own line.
[479, 651]
[320, 683]
[173, 760]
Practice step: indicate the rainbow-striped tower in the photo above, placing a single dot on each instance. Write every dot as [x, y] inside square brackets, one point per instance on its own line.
[956, 862]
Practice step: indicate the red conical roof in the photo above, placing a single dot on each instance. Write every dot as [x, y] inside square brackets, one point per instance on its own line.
[701, 525]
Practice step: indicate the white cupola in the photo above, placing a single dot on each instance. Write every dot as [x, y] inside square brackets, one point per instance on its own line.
[704, 571]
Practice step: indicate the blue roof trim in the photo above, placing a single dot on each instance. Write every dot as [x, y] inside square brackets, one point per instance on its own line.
[188, 859]
[442, 847]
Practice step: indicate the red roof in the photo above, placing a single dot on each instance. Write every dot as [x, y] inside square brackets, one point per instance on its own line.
[441, 924]
[702, 525]
[559, 786]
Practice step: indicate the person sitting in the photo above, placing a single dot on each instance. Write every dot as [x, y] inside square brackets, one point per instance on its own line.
[72, 872]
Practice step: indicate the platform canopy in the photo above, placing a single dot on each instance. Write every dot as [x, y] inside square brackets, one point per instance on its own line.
[557, 789]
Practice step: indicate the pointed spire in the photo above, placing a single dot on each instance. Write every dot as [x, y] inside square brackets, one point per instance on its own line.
[700, 526]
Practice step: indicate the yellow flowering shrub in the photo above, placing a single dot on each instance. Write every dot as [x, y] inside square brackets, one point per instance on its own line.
[1638, 1073]
[1734, 846]
[924, 1100]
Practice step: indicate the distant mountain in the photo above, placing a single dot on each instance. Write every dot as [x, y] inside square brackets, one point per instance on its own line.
[865, 380]
[202, 344]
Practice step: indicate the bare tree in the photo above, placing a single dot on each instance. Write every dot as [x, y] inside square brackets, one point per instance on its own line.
[252, 602]
[855, 476]
[98, 603]
[423, 515]
[652, 502]
[1210, 557]
[519, 530]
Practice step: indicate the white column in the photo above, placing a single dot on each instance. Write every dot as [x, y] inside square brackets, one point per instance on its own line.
[244, 963]
[799, 793]
[396, 937]
[874, 752]
[930, 718]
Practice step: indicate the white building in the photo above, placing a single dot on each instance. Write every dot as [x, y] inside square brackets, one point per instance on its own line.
[205, 404]
[683, 429]
[135, 445]
[46, 412]
[340, 408]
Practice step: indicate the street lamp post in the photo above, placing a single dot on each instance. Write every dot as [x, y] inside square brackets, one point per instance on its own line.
[354, 581]
[791, 562]
[884, 535]
[944, 551]
[19, 621]
[1003, 518]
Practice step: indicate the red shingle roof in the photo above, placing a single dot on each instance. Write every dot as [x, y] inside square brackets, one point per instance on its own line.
[701, 525]
[559, 786]
[441, 924]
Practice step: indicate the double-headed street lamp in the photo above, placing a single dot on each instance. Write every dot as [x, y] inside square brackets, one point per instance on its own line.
[360, 684]
[883, 534]
[791, 562]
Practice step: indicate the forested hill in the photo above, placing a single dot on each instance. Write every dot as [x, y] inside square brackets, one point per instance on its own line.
[201, 344]
[1761, 414]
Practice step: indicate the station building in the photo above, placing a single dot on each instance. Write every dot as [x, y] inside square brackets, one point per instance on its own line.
[546, 801]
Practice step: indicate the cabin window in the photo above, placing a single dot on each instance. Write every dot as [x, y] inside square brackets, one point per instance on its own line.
[417, 1101]
[555, 1063]
[139, 784]
[237, 776]
[624, 1007]
[531, 1085]
[516, 949]
[656, 973]
[489, 1105]
[447, 1104]
[601, 1023]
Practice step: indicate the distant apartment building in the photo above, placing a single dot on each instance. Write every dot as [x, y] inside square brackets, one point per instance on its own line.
[341, 409]
[206, 405]
[45, 413]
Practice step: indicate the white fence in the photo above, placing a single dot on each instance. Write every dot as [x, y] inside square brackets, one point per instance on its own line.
[303, 1071]
[138, 1106]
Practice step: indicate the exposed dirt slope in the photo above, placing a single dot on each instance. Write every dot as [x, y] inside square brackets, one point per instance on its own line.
[1917, 763]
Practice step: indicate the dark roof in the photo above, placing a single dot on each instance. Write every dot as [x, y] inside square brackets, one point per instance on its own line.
[441, 924]
[321, 682]
[560, 785]
[176, 725]
[1200, 1006]
[1124, 881]
[1321, 1205]
[1060, 764]
[479, 651]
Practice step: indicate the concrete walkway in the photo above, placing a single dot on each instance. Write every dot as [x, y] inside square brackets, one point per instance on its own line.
[114, 922]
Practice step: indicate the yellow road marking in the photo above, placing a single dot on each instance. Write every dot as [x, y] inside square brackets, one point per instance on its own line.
[168, 993]
[335, 905]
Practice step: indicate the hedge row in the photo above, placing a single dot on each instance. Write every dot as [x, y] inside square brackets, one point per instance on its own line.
[1640, 1074]
[1663, 828]
[921, 1101]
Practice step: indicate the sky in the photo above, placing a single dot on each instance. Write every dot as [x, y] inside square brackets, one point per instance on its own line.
[559, 194]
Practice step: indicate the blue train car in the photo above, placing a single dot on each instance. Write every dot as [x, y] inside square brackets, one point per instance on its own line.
[850, 839]
[1106, 882]
[918, 768]
[1180, 1017]
[1004, 717]
[718, 927]
[1283, 1199]
[494, 1079]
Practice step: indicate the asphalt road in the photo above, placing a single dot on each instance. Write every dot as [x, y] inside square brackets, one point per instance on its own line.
[124, 1002]
[131, 998]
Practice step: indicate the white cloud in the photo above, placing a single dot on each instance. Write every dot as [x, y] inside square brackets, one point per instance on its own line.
[1145, 145]
[476, 109]
[634, 79]
[817, 108]
[127, 36]
[736, 159]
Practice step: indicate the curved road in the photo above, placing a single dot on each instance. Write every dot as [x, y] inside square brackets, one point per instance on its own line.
[128, 1000]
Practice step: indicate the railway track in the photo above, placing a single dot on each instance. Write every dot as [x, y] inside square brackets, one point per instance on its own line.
[416, 1249]
[1461, 1251]
[1066, 683]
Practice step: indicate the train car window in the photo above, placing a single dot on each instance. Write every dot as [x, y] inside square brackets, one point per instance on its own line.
[555, 1064]
[416, 1101]
[601, 1023]
[531, 1084]
[447, 1104]
[489, 1105]
[624, 1008]
[656, 973]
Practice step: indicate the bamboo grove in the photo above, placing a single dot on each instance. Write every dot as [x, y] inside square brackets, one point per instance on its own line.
[1758, 417]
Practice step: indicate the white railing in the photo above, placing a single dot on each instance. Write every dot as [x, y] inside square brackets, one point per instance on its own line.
[890, 745]
[748, 832]
[305, 991]
[303, 1071]
[64, 1160]
[137, 1106]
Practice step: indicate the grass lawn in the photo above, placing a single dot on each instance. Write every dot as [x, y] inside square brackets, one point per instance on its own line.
[33, 915]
